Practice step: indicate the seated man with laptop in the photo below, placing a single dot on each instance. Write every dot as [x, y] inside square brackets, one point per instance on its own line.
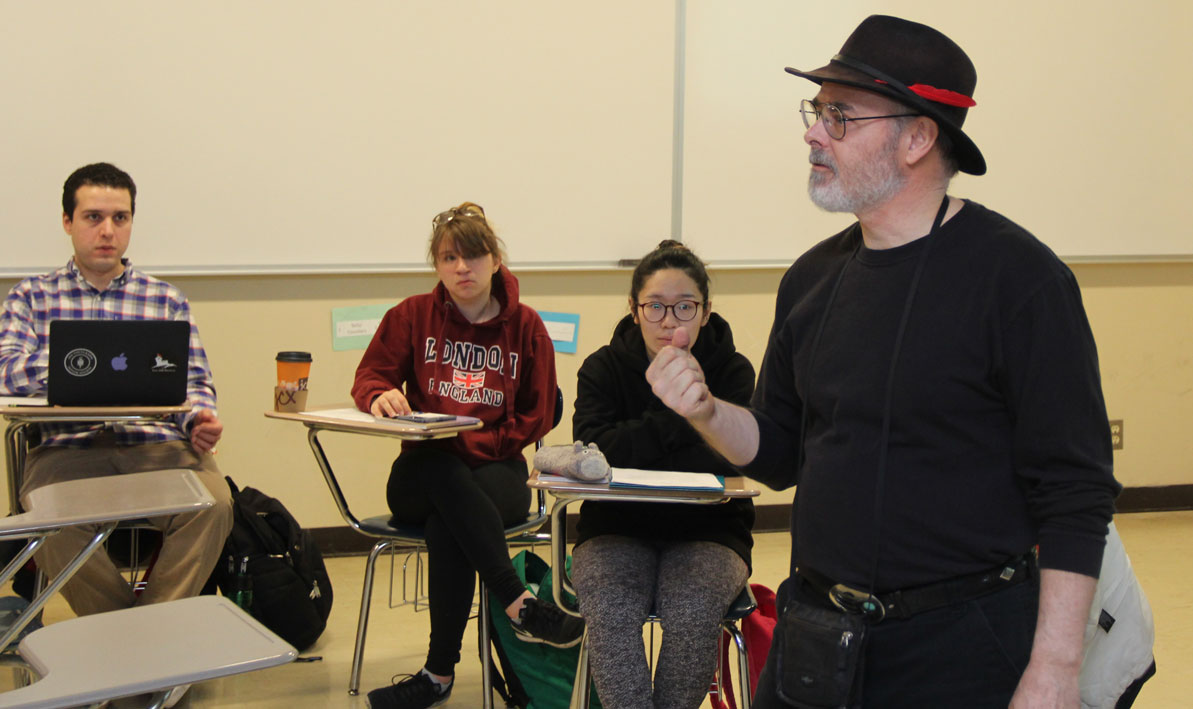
[86, 363]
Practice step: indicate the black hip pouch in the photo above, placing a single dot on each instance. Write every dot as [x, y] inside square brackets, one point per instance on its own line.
[819, 656]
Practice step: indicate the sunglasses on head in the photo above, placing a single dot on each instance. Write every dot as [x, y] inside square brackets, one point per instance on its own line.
[450, 214]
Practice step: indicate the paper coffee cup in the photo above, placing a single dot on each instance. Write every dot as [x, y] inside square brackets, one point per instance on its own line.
[294, 368]
[294, 371]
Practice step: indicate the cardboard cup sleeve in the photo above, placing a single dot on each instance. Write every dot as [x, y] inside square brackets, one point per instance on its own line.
[289, 400]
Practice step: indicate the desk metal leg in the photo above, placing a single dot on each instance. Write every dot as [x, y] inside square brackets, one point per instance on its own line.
[329, 477]
[581, 690]
[21, 558]
[743, 664]
[559, 552]
[337, 495]
[482, 631]
[561, 583]
[362, 623]
[14, 458]
[40, 600]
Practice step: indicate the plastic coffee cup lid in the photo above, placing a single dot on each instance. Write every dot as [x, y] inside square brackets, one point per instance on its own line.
[294, 357]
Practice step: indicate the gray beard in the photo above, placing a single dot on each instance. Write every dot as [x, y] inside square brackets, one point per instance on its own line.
[871, 184]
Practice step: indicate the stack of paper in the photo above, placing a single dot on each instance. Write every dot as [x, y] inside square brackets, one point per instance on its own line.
[346, 414]
[666, 480]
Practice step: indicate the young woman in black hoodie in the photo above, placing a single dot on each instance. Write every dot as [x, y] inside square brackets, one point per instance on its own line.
[685, 562]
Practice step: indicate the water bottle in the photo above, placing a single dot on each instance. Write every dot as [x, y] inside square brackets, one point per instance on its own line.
[243, 595]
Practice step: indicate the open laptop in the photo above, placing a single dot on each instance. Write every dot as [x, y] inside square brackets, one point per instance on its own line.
[118, 362]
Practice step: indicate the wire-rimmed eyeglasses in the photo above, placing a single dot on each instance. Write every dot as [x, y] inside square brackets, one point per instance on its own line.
[834, 120]
[683, 311]
[446, 216]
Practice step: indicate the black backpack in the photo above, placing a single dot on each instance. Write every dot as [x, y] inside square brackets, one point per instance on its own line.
[272, 568]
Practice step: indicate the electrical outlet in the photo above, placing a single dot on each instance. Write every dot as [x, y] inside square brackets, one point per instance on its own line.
[1116, 434]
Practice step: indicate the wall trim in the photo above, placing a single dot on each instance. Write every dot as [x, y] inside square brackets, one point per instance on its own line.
[343, 541]
[1161, 498]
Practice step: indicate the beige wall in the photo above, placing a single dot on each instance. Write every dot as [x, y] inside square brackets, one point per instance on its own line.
[1141, 315]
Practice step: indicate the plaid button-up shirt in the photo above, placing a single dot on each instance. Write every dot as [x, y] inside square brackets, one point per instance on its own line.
[66, 295]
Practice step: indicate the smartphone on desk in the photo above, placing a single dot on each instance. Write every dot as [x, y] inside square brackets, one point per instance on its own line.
[420, 417]
[425, 421]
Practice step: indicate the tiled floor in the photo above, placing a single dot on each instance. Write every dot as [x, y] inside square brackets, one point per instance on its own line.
[1160, 546]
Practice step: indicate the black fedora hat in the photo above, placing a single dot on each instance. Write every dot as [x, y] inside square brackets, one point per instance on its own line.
[915, 65]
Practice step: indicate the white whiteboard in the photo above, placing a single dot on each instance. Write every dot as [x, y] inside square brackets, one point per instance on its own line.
[295, 136]
[273, 136]
[1083, 114]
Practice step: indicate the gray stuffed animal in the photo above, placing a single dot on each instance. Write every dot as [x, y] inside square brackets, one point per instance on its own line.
[577, 461]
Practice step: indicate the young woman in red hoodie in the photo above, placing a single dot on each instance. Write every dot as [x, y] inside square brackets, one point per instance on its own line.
[470, 348]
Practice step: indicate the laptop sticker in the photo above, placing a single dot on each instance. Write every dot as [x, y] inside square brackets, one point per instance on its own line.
[80, 362]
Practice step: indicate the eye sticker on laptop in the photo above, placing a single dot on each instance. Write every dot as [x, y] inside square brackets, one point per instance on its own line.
[80, 362]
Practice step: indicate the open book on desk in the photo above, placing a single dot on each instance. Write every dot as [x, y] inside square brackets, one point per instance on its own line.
[666, 480]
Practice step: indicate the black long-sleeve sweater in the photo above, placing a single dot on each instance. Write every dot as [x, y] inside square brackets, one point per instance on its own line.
[999, 437]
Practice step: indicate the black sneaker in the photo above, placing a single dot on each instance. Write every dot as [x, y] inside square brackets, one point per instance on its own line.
[542, 622]
[415, 692]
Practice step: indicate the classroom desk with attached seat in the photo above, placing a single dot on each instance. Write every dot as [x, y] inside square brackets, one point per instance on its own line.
[564, 492]
[346, 419]
[21, 417]
[102, 501]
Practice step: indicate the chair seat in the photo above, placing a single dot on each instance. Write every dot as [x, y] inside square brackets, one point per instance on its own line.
[742, 606]
[382, 526]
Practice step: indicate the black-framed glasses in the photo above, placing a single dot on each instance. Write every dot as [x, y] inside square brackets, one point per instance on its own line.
[834, 120]
[683, 311]
[446, 216]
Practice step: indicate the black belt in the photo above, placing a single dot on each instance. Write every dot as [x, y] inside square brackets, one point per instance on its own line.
[908, 602]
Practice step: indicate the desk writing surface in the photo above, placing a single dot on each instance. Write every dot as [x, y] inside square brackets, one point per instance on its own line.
[735, 487]
[111, 498]
[324, 417]
[88, 659]
[89, 413]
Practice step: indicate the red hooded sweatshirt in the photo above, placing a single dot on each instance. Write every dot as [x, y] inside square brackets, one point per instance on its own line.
[501, 371]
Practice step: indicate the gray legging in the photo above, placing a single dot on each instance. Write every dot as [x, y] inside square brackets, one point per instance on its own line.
[619, 580]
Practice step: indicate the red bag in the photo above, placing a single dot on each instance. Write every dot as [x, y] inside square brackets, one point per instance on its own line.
[757, 629]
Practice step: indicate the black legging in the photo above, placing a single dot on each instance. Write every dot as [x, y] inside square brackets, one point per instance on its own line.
[464, 513]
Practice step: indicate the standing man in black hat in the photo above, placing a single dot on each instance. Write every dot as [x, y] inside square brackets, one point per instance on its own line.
[931, 385]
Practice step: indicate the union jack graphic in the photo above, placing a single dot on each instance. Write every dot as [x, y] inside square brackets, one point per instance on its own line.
[468, 380]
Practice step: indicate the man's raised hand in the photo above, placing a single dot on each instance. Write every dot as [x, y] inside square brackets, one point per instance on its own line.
[677, 379]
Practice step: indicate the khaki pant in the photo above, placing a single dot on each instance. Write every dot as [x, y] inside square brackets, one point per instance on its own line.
[192, 542]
